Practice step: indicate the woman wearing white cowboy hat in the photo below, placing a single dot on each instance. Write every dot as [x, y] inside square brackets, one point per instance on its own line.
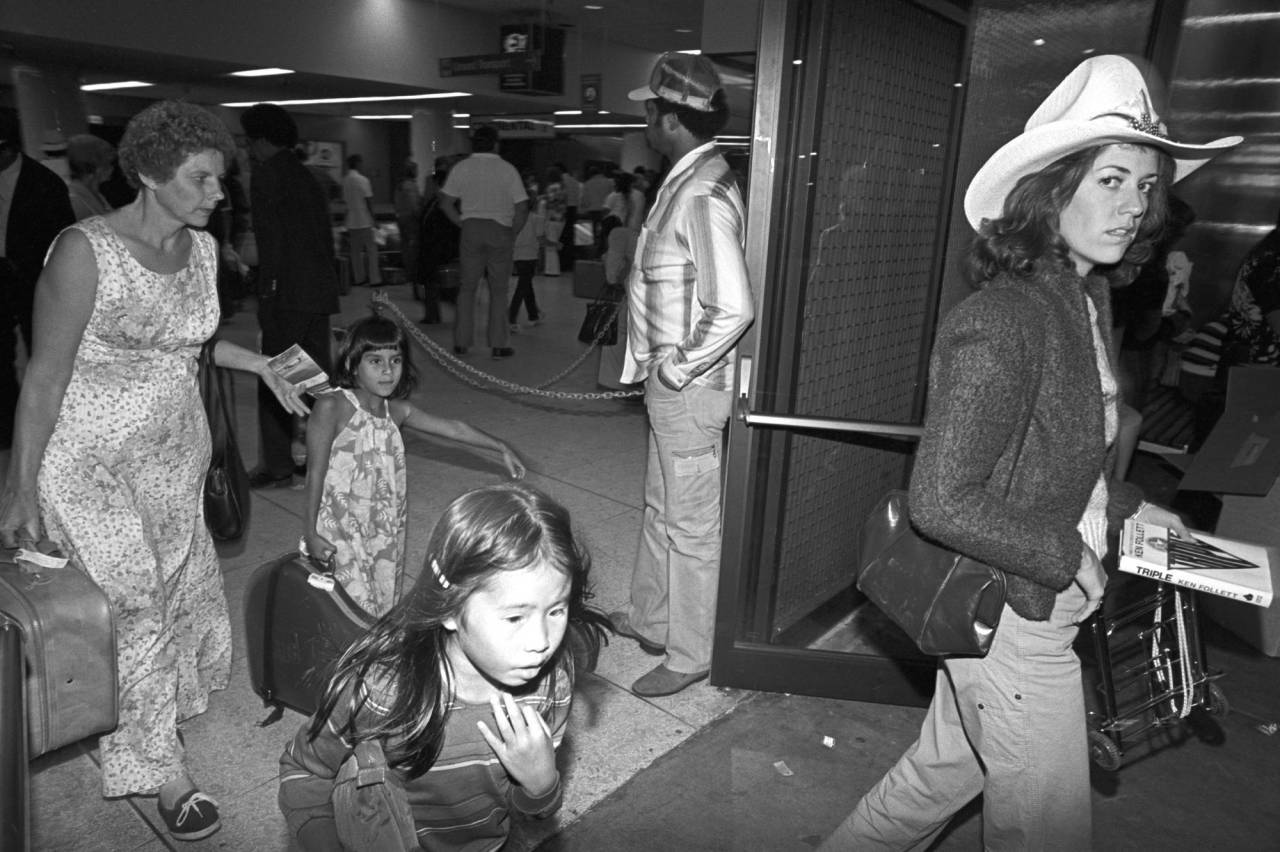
[1013, 466]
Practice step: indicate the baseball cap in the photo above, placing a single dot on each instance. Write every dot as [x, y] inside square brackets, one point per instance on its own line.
[681, 78]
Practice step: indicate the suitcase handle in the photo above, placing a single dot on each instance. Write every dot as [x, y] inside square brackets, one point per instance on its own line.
[322, 568]
[33, 559]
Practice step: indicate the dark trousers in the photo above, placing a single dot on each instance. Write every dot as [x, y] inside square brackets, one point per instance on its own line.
[16, 296]
[568, 248]
[524, 291]
[281, 329]
[9, 389]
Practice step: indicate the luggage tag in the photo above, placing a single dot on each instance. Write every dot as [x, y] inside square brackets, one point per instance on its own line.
[323, 579]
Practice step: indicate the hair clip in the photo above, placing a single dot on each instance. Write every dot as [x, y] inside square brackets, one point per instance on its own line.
[440, 577]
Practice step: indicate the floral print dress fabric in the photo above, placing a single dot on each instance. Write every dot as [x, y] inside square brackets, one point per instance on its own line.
[362, 507]
[120, 491]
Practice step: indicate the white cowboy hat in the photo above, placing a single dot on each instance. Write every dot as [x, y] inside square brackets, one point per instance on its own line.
[1104, 100]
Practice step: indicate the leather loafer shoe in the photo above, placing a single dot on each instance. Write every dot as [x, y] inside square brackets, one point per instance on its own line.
[622, 626]
[663, 681]
[265, 479]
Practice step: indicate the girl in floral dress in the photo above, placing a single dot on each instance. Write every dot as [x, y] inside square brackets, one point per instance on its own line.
[356, 474]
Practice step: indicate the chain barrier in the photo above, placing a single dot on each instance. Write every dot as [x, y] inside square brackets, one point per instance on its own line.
[479, 379]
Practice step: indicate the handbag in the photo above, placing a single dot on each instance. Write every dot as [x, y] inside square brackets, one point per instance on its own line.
[370, 807]
[600, 325]
[947, 603]
[226, 485]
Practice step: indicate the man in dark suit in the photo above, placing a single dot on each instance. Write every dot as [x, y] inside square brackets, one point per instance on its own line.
[34, 207]
[296, 281]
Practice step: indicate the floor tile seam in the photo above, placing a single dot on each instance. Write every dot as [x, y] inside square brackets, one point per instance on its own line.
[692, 725]
[625, 506]
[136, 807]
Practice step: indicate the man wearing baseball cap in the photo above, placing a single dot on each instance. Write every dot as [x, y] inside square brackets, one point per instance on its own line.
[689, 301]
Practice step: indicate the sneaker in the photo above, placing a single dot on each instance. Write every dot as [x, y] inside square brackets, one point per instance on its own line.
[193, 817]
[500, 352]
[515, 327]
[542, 317]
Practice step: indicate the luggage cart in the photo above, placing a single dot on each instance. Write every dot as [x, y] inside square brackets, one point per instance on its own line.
[1151, 672]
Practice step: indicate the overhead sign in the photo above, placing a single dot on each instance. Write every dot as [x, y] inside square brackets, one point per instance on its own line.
[524, 128]
[491, 63]
[547, 42]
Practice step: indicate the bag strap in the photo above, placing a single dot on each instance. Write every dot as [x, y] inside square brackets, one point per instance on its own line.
[217, 392]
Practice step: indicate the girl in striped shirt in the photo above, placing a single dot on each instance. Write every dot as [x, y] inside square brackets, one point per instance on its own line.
[466, 683]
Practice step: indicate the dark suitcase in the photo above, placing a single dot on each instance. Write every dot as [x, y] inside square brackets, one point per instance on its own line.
[69, 648]
[14, 786]
[298, 621]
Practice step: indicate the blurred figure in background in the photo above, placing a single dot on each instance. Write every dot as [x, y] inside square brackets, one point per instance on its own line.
[357, 192]
[572, 200]
[91, 160]
[34, 207]
[297, 282]
[531, 240]
[437, 246]
[408, 202]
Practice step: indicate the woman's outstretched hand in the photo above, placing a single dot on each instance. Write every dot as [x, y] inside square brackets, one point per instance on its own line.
[523, 744]
[285, 391]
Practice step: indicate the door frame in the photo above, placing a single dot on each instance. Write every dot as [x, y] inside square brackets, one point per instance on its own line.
[742, 655]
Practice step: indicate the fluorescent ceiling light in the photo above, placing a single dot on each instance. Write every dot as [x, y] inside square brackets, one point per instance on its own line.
[600, 127]
[261, 72]
[122, 84]
[368, 100]
[1236, 18]
[402, 117]
[690, 52]
[567, 112]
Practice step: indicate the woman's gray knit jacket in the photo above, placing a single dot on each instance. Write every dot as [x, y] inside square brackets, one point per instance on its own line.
[1014, 439]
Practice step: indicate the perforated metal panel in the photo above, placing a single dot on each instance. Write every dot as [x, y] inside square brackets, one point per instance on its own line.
[879, 185]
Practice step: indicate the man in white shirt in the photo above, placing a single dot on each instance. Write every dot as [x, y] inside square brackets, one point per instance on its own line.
[486, 199]
[357, 192]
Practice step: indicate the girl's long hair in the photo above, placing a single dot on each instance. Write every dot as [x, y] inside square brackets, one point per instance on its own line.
[504, 527]
[1025, 238]
[366, 335]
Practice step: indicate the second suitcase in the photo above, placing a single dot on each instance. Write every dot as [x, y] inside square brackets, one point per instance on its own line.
[298, 620]
[70, 651]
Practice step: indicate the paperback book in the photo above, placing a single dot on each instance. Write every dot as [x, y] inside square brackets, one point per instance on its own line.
[1206, 563]
[295, 365]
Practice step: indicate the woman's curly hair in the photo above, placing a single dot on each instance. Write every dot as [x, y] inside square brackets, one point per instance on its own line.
[1026, 237]
[162, 136]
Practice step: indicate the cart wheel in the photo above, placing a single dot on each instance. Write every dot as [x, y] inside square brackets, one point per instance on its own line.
[1216, 701]
[1104, 751]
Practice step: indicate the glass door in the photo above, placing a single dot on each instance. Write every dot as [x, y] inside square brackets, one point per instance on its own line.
[863, 120]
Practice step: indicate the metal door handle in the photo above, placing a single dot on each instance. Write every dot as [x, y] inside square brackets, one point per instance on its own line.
[825, 424]
[817, 424]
